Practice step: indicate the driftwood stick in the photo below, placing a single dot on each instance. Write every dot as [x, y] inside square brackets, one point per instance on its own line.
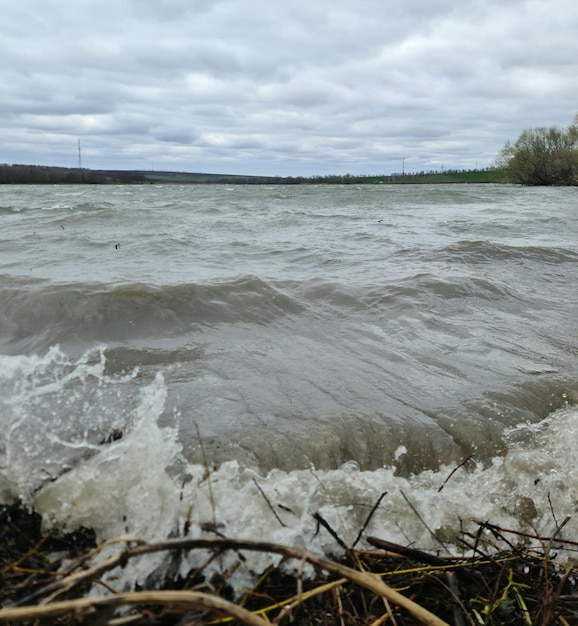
[184, 598]
[410, 553]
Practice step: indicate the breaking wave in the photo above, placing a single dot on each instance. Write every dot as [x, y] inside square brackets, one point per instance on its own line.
[142, 485]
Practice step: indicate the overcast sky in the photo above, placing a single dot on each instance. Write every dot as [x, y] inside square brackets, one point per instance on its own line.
[292, 87]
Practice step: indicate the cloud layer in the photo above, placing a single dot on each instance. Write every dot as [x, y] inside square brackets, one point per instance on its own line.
[295, 88]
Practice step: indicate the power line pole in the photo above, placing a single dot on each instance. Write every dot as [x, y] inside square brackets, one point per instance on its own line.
[79, 157]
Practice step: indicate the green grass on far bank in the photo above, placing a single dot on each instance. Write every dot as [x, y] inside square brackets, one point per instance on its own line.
[469, 176]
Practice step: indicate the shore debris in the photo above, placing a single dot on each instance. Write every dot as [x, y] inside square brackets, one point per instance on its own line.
[508, 578]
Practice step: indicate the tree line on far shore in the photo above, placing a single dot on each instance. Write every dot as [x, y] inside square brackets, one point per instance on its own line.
[42, 174]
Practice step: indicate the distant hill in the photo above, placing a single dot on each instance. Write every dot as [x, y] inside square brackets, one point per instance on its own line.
[40, 174]
[196, 178]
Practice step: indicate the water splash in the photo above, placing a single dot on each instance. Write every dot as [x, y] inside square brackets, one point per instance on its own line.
[54, 410]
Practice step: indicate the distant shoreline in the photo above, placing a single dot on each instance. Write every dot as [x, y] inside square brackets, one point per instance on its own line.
[41, 174]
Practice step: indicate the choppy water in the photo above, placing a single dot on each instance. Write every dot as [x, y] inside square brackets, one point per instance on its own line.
[329, 342]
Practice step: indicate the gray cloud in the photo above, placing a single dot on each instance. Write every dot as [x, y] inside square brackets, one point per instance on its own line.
[250, 86]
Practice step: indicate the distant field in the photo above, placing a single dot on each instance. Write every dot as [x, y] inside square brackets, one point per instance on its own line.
[474, 176]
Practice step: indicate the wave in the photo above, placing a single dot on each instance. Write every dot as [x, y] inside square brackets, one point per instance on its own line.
[421, 287]
[434, 437]
[36, 314]
[480, 252]
[29, 306]
[422, 291]
[53, 313]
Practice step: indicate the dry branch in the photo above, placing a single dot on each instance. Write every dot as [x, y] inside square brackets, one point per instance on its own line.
[192, 599]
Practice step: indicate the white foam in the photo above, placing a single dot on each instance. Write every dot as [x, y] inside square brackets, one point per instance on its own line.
[127, 489]
[141, 486]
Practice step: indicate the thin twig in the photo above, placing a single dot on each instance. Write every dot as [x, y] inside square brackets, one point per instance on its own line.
[529, 535]
[552, 510]
[208, 475]
[455, 470]
[319, 519]
[269, 504]
[431, 532]
[368, 518]
[300, 598]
